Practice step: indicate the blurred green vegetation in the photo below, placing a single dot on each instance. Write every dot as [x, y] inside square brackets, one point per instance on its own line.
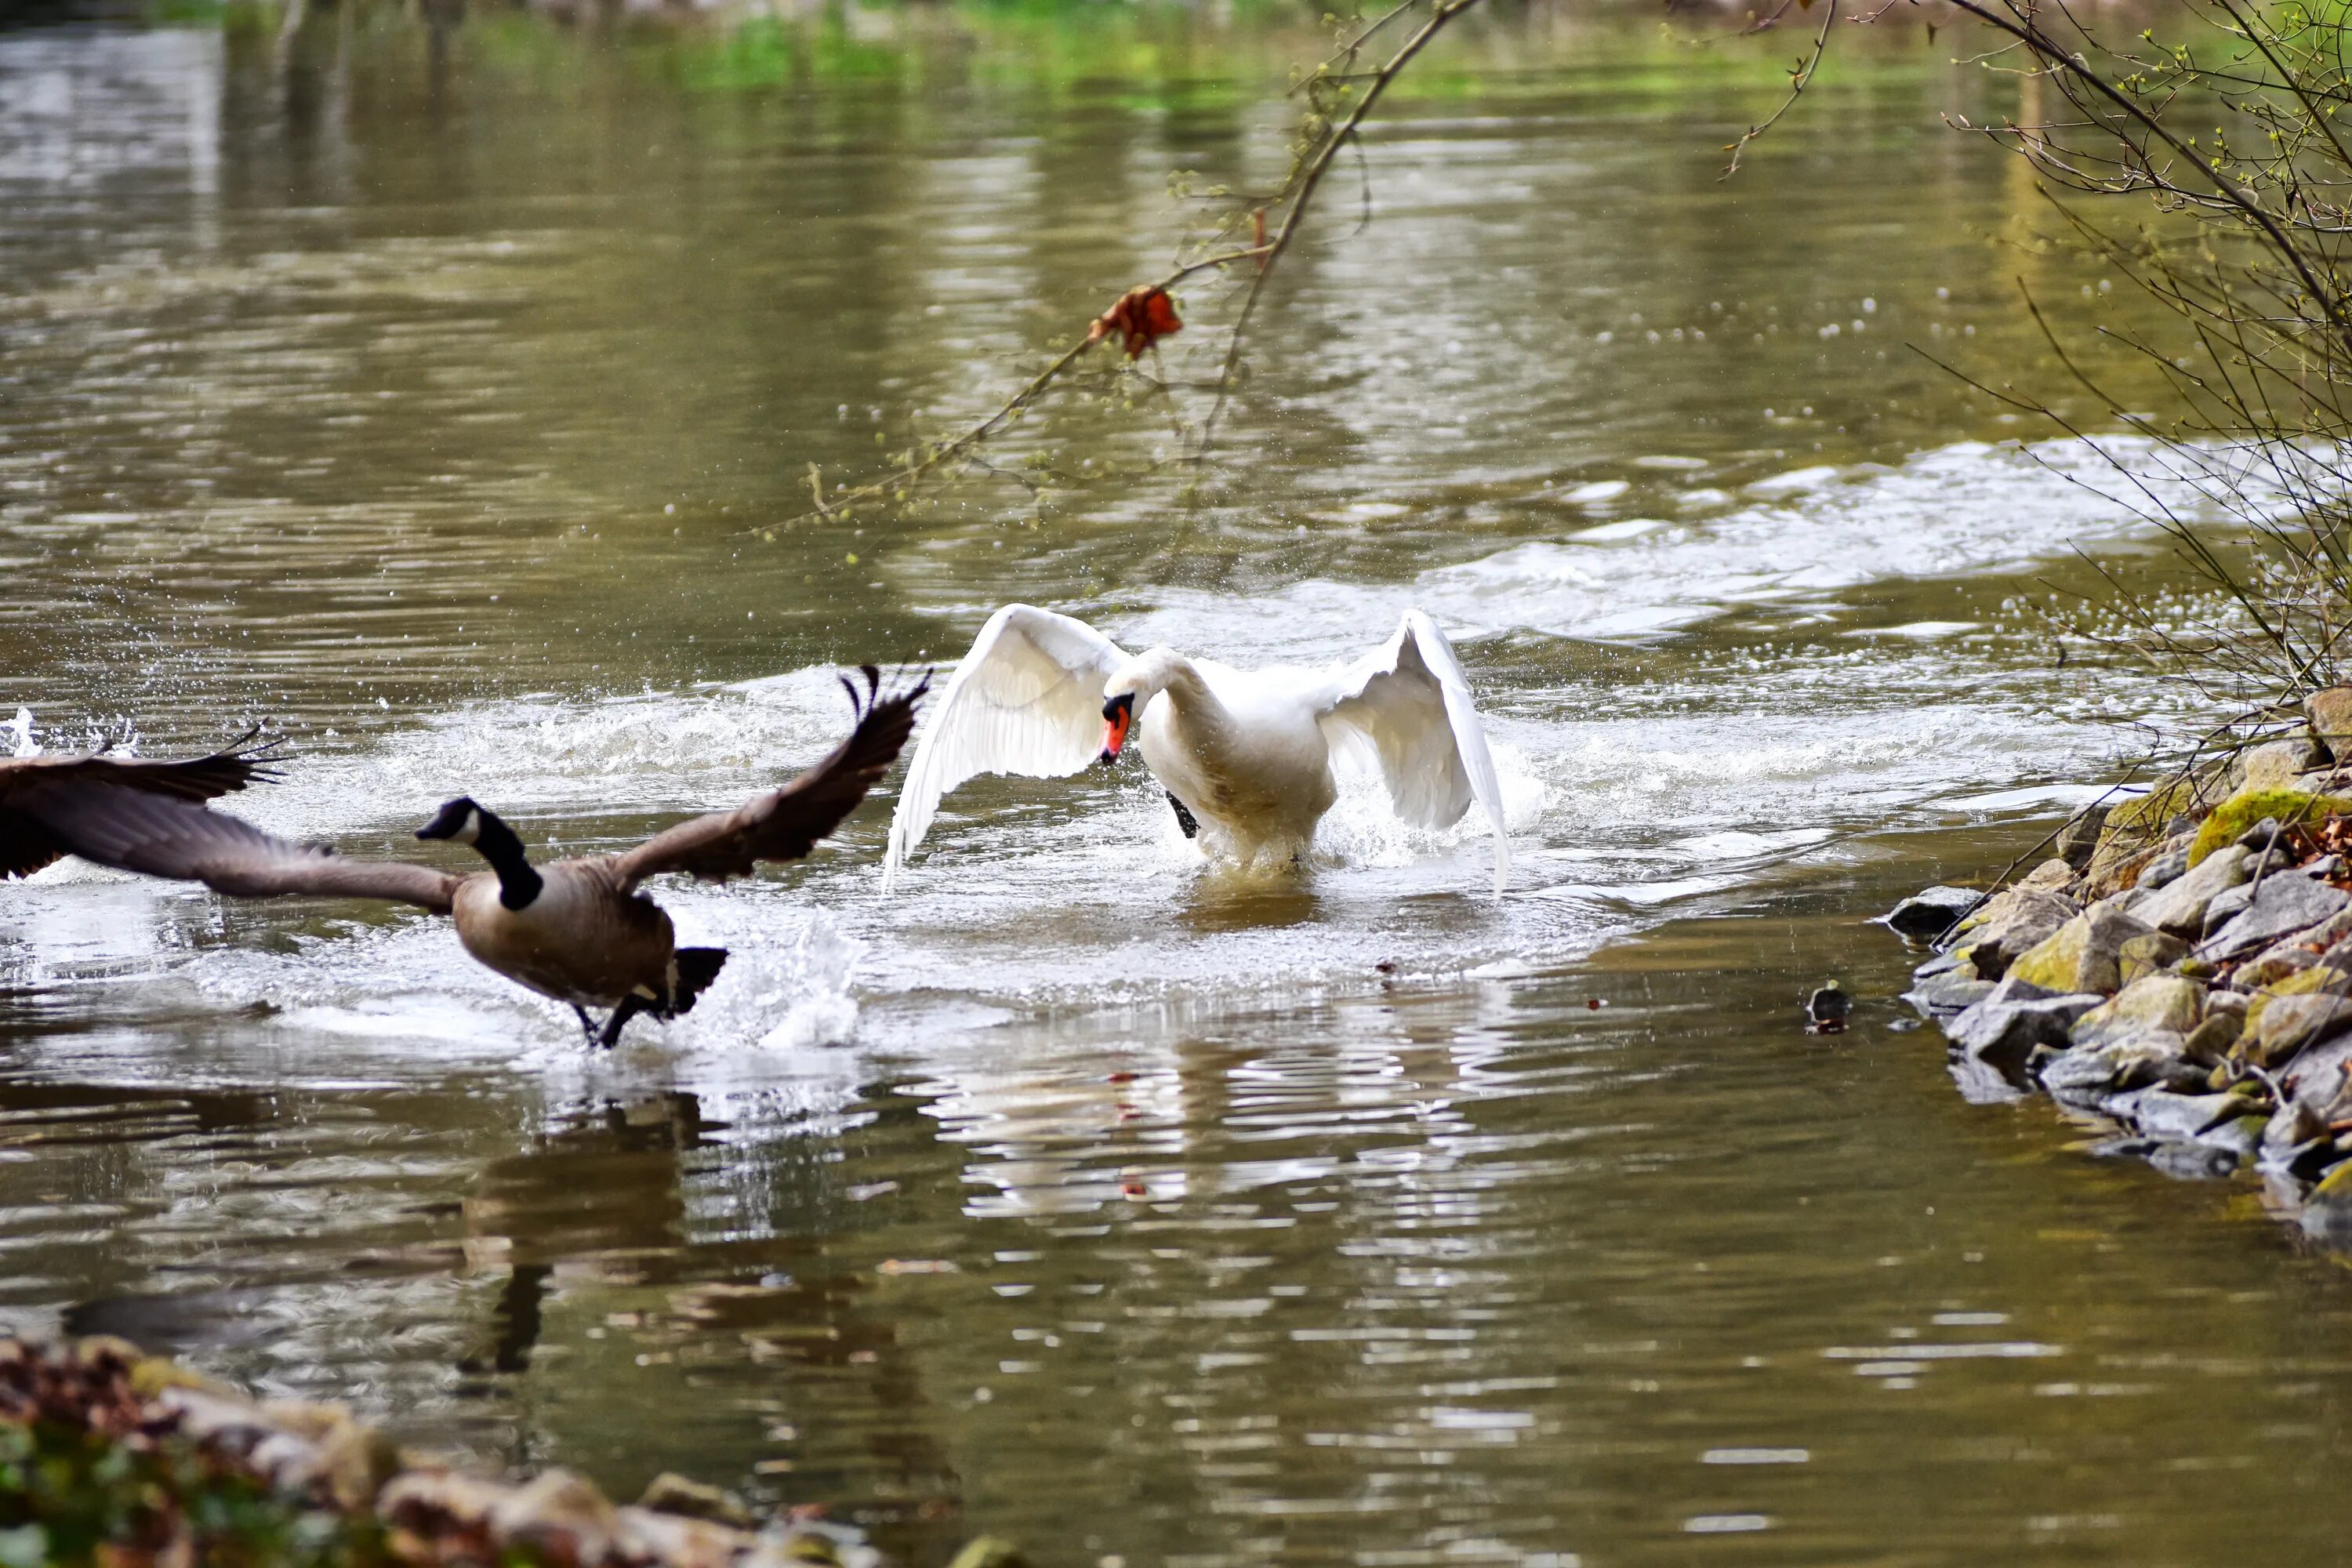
[69, 1495]
[1148, 54]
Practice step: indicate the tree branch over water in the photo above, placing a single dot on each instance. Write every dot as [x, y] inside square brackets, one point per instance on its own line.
[1339, 99]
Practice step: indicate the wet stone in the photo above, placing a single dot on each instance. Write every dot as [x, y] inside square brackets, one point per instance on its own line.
[1934, 911]
[2011, 1022]
[1948, 994]
[2161, 1113]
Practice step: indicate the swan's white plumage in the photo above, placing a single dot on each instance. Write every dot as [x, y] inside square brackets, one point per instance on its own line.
[1409, 699]
[1027, 700]
[1247, 751]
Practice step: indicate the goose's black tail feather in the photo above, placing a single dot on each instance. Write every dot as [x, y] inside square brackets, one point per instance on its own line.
[697, 968]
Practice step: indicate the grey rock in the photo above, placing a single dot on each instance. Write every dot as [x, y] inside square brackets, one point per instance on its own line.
[1934, 911]
[2154, 1004]
[2009, 1029]
[2018, 917]
[2210, 1040]
[2085, 953]
[2226, 907]
[2089, 1073]
[2260, 835]
[2079, 840]
[2289, 1024]
[2316, 1076]
[2327, 866]
[2191, 1162]
[2150, 954]
[2275, 764]
[1948, 994]
[2165, 870]
[2329, 712]
[2280, 905]
[1945, 963]
[2179, 906]
[2241, 1136]
[2163, 1114]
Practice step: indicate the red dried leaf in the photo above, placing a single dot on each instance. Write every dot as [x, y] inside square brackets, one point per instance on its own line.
[1142, 315]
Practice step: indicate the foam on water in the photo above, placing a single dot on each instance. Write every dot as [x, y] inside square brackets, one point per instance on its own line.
[1627, 799]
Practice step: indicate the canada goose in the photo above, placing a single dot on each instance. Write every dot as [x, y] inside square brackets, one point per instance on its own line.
[37, 792]
[575, 930]
[1244, 755]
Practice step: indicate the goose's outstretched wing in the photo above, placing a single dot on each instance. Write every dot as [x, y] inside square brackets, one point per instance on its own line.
[162, 836]
[1027, 700]
[26, 846]
[1409, 700]
[785, 824]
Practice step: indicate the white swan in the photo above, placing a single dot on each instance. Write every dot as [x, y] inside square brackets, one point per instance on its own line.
[1244, 755]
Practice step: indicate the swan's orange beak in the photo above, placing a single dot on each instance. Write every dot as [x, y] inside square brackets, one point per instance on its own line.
[1118, 713]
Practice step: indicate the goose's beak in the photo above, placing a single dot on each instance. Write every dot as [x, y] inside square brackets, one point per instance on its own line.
[1118, 714]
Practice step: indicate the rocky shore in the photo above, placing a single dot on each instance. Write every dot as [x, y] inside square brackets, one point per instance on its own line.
[111, 1457]
[2180, 967]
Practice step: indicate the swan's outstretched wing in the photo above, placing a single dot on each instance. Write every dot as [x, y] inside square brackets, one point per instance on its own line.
[785, 824]
[26, 846]
[162, 836]
[1410, 701]
[1027, 700]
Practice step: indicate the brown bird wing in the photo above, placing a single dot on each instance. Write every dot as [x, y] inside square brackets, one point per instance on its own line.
[159, 835]
[785, 824]
[26, 846]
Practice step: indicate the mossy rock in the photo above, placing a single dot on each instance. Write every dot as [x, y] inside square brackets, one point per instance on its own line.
[2231, 818]
[2303, 983]
[2136, 826]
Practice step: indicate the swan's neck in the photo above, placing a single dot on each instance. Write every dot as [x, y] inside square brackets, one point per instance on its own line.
[518, 882]
[1197, 711]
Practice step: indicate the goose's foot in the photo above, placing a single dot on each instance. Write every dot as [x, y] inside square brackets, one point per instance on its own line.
[631, 1006]
[587, 1025]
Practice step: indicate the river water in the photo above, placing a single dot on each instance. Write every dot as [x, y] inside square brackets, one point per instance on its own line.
[436, 404]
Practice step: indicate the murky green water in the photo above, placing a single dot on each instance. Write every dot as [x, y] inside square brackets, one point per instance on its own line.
[1069, 1193]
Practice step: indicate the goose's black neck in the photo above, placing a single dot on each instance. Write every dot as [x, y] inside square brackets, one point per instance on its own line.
[518, 883]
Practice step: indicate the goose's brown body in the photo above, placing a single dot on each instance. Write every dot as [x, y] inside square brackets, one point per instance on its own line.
[577, 930]
[587, 938]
